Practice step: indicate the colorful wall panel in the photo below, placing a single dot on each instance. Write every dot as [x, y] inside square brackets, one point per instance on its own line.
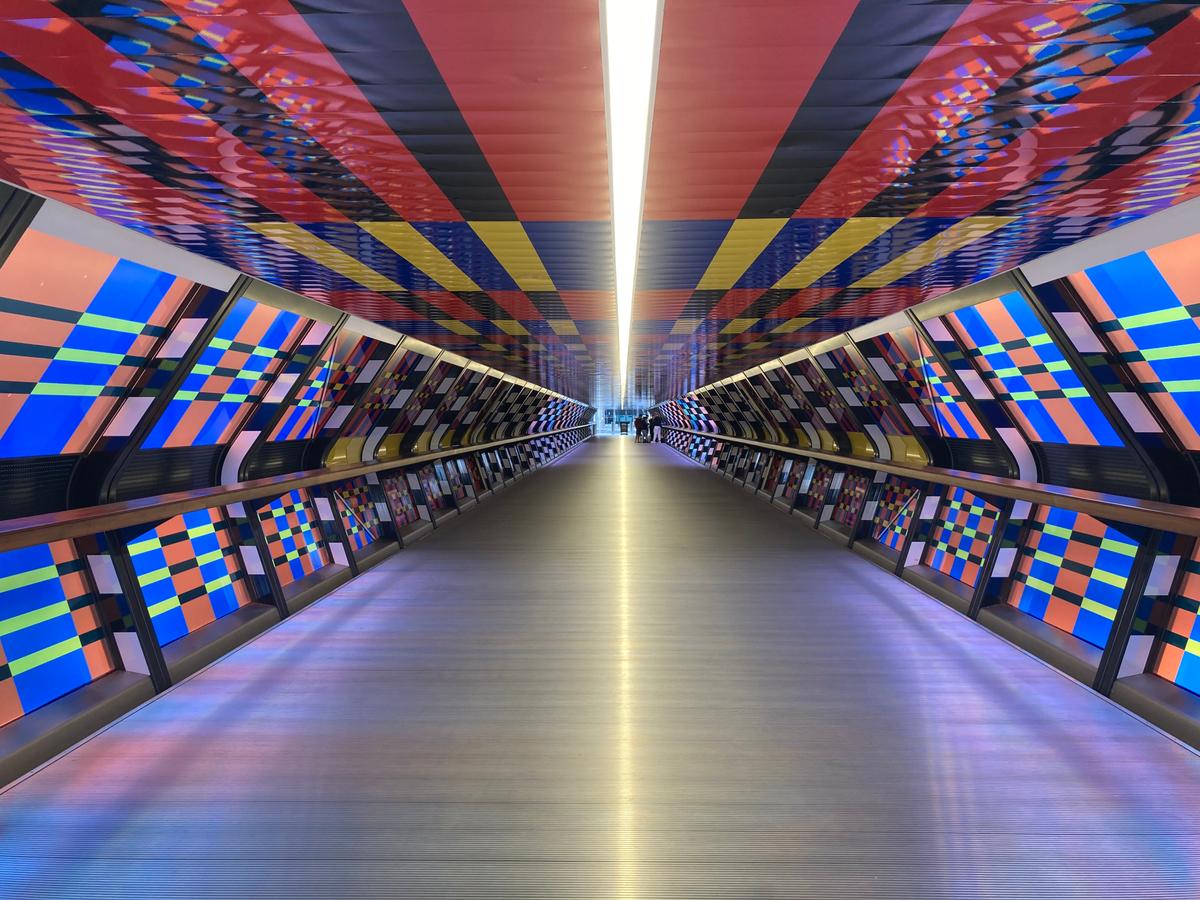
[1177, 657]
[896, 512]
[356, 508]
[51, 637]
[1145, 305]
[400, 498]
[290, 525]
[850, 499]
[818, 487]
[958, 542]
[1028, 373]
[232, 372]
[925, 383]
[1072, 571]
[77, 326]
[189, 572]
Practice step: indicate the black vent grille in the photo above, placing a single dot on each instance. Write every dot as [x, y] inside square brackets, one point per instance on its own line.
[150, 472]
[278, 458]
[34, 485]
[1117, 469]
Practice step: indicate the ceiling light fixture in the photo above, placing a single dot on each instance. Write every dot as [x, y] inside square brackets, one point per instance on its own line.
[630, 48]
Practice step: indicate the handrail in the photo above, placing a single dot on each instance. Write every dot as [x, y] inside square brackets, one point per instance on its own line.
[1130, 510]
[87, 520]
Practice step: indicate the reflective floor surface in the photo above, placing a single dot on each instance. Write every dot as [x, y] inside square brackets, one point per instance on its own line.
[626, 678]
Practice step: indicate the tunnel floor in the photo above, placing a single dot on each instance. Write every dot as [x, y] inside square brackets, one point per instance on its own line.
[622, 677]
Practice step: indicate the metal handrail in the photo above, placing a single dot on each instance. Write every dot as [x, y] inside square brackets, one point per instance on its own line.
[87, 520]
[1130, 510]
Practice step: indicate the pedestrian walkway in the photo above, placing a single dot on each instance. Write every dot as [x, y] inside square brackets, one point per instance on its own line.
[622, 678]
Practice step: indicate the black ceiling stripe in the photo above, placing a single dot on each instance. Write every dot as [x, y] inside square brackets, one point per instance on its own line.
[384, 53]
[841, 102]
[232, 101]
[1015, 109]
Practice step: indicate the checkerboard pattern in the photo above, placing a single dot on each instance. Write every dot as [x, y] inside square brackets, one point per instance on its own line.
[51, 637]
[795, 478]
[1072, 572]
[895, 513]
[848, 506]
[293, 535]
[404, 508]
[1009, 345]
[875, 399]
[77, 326]
[235, 369]
[459, 477]
[924, 382]
[189, 572]
[420, 407]
[818, 488]
[402, 374]
[961, 532]
[1146, 306]
[324, 388]
[356, 507]
[435, 498]
[827, 395]
[1177, 657]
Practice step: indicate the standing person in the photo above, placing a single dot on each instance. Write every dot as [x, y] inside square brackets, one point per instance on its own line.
[656, 424]
[639, 425]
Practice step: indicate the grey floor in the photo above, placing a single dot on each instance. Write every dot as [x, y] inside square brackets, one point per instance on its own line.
[622, 678]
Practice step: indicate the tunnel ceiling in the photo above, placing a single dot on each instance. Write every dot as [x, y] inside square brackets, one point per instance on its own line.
[815, 165]
[441, 166]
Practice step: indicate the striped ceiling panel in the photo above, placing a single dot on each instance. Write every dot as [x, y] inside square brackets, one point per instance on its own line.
[440, 165]
[436, 165]
[815, 165]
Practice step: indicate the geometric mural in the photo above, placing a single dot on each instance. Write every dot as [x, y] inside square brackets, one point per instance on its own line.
[77, 325]
[190, 572]
[51, 638]
[1072, 571]
[962, 530]
[292, 531]
[1177, 658]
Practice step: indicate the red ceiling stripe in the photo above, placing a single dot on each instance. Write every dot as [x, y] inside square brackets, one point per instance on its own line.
[719, 113]
[349, 127]
[1124, 190]
[1165, 68]
[50, 42]
[528, 79]
[734, 302]
[910, 124]
[518, 305]
[29, 157]
[454, 306]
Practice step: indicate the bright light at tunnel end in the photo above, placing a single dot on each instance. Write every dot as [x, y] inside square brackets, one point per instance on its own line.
[630, 46]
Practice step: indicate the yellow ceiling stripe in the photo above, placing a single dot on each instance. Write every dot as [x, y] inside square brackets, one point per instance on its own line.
[953, 238]
[563, 326]
[511, 246]
[835, 250]
[409, 243]
[685, 326]
[737, 326]
[307, 244]
[457, 327]
[793, 325]
[743, 243]
[510, 326]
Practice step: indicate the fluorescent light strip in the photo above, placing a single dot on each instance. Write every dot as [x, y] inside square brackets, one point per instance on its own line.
[631, 34]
